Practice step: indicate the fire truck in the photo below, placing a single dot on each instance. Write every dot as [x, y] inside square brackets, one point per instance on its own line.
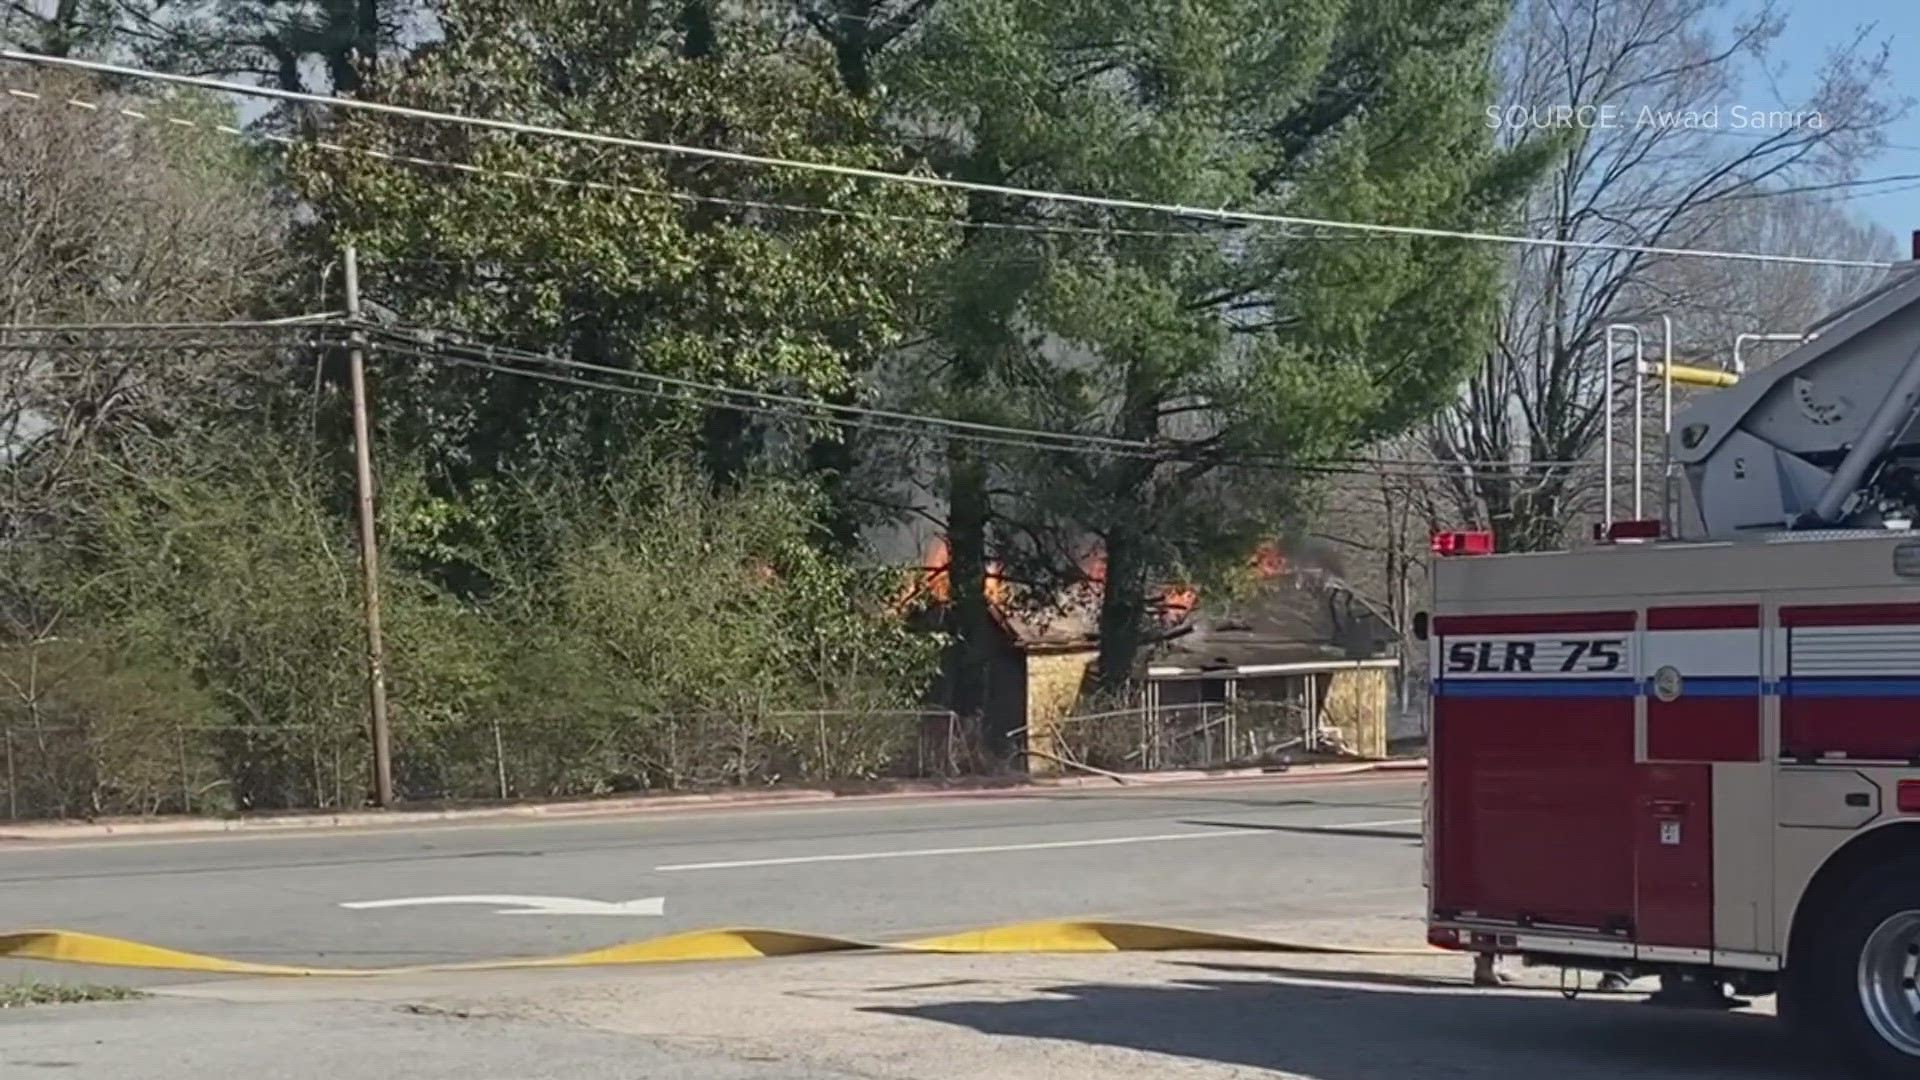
[1691, 750]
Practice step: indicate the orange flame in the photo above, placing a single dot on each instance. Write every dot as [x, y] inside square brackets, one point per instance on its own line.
[1175, 600]
[1178, 601]
[1093, 565]
[1268, 562]
[935, 578]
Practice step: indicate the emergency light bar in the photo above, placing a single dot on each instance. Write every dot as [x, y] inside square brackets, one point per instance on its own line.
[1462, 543]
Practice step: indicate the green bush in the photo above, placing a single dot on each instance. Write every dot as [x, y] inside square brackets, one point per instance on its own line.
[643, 631]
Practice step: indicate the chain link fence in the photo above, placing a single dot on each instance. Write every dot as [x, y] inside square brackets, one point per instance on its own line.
[1208, 735]
[81, 771]
[75, 771]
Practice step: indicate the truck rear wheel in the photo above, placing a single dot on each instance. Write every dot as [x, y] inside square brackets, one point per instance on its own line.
[1863, 970]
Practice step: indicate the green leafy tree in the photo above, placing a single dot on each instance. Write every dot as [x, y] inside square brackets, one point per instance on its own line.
[1234, 352]
[664, 264]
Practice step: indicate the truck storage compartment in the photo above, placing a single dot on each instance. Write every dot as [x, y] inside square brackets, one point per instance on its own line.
[1535, 786]
[1534, 799]
[1673, 858]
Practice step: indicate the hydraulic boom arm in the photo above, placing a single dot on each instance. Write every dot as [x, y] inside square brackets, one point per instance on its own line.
[1825, 438]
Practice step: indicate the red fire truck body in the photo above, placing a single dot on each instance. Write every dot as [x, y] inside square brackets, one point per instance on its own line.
[1581, 809]
[1701, 759]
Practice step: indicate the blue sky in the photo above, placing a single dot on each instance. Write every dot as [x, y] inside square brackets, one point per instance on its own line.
[1814, 28]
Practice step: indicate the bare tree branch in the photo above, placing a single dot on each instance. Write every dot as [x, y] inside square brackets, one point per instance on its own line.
[1647, 166]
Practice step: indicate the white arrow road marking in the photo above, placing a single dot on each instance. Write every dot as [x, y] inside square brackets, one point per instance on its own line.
[526, 905]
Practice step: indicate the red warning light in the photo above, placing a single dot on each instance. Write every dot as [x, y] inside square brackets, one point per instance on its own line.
[1448, 544]
[1907, 796]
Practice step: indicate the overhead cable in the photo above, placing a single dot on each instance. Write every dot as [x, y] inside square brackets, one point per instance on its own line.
[511, 362]
[414, 336]
[292, 322]
[433, 338]
[734, 404]
[968, 223]
[989, 225]
[441, 345]
[444, 345]
[919, 179]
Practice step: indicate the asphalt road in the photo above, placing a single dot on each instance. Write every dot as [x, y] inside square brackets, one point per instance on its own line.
[1287, 857]
[1332, 861]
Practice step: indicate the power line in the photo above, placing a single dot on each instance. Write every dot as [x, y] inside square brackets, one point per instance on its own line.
[1738, 133]
[863, 425]
[427, 345]
[1875, 193]
[1037, 228]
[441, 355]
[159, 336]
[914, 424]
[920, 179]
[1711, 201]
[598, 185]
[169, 345]
[1831, 185]
[292, 322]
[289, 142]
[419, 336]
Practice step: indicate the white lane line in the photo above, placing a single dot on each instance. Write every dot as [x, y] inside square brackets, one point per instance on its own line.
[920, 853]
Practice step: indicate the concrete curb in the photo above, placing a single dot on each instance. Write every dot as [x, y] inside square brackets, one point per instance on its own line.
[27, 833]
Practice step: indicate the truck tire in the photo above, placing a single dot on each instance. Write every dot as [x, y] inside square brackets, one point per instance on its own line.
[1859, 985]
[1789, 1003]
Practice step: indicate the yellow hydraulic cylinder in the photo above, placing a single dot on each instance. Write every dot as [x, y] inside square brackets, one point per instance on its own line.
[1687, 375]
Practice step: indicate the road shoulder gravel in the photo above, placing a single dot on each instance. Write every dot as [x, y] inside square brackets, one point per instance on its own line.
[1194, 1016]
[176, 1038]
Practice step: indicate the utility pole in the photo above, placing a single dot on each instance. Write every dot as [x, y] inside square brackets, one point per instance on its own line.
[369, 552]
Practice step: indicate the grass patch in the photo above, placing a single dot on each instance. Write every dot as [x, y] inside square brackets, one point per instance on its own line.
[19, 995]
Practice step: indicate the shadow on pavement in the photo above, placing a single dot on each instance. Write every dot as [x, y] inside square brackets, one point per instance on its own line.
[1274, 802]
[1462, 982]
[1389, 1032]
[1325, 975]
[1319, 830]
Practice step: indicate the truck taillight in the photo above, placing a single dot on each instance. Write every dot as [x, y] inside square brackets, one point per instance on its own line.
[1907, 796]
[1462, 543]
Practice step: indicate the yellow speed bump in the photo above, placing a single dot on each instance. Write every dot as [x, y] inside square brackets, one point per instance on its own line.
[703, 945]
[1096, 936]
[1059, 936]
[68, 947]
